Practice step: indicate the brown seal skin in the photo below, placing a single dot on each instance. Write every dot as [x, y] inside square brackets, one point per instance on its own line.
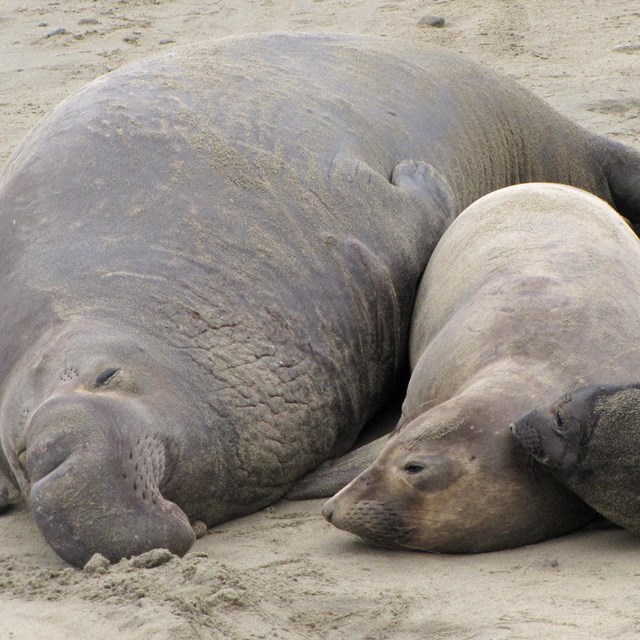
[589, 439]
[515, 304]
[209, 261]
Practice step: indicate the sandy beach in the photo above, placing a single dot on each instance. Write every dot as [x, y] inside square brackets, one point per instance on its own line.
[286, 573]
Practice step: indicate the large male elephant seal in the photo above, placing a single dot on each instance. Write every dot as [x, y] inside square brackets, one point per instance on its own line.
[590, 440]
[531, 288]
[208, 265]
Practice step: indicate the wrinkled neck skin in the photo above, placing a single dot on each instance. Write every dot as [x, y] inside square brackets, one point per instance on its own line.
[88, 431]
[450, 479]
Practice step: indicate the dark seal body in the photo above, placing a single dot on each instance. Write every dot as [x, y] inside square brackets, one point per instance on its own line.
[209, 262]
[590, 440]
[531, 288]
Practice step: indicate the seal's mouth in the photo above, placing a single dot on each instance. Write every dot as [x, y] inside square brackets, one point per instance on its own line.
[57, 471]
[18, 463]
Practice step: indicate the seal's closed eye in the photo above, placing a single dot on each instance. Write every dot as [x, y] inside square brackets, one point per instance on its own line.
[106, 376]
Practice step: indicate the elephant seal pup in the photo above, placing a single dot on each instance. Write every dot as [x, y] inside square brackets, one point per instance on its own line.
[590, 439]
[515, 304]
[209, 261]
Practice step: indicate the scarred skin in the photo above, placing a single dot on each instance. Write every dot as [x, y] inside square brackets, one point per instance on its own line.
[209, 262]
[516, 304]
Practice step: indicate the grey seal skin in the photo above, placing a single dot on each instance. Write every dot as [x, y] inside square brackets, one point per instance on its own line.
[589, 440]
[532, 287]
[209, 261]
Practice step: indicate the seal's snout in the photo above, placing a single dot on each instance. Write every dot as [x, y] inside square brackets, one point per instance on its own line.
[94, 488]
[354, 510]
[528, 437]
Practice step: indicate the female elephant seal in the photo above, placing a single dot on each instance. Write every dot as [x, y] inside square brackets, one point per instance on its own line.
[515, 304]
[209, 261]
[590, 439]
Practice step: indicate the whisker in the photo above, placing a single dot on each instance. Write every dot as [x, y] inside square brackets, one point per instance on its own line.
[568, 393]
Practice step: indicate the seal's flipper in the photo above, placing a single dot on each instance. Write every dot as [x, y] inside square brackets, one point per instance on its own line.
[415, 184]
[424, 182]
[335, 474]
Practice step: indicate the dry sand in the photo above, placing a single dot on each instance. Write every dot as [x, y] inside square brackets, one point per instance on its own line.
[285, 573]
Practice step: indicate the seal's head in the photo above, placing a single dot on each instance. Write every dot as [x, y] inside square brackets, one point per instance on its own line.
[87, 431]
[555, 434]
[450, 481]
[590, 440]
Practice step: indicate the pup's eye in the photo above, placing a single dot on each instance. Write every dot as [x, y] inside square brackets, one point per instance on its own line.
[105, 377]
[560, 423]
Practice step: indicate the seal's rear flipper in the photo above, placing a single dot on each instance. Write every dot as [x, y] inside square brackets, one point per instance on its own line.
[335, 474]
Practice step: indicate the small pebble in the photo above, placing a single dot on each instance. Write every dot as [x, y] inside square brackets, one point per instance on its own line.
[89, 21]
[167, 41]
[97, 564]
[200, 529]
[57, 32]
[151, 559]
[431, 21]
[43, 24]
